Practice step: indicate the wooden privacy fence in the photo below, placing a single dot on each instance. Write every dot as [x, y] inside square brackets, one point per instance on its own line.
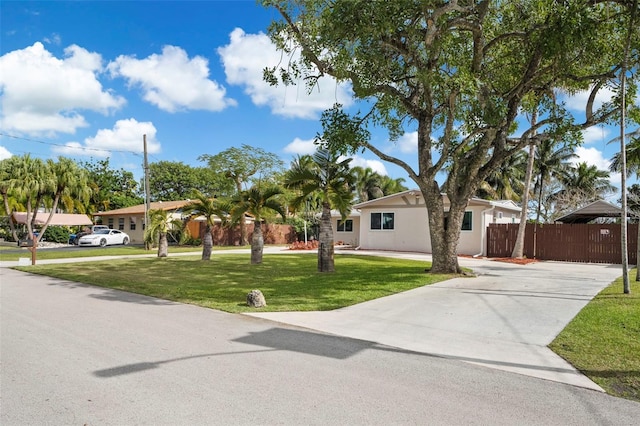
[591, 243]
[223, 236]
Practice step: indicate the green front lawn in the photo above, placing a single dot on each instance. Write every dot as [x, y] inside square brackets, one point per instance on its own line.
[603, 340]
[13, 253]
[289, 282]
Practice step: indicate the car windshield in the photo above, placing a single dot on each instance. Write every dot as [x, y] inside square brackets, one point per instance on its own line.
[102, 231]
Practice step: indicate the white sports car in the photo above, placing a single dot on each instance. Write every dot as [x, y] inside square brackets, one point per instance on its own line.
[104, 237]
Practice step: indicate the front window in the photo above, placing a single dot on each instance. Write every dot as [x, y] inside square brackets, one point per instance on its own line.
[345, 225]
[110, 223]
[121, 223]
[382, 220]
[132, 224]
[467, 221]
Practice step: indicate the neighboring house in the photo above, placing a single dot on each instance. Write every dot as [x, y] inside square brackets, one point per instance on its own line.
[399, 222]
[131, 219]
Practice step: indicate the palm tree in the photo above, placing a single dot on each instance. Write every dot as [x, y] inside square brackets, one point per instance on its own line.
[392, 186]
[258, 203]
[9, 199]
[506, 182]
[550, 162]
[161, 222]
[588, 180]
[581, 185]
[209, 208]
[325, 174]
[368, 184]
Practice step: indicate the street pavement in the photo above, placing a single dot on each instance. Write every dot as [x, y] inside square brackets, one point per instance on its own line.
[76, 354]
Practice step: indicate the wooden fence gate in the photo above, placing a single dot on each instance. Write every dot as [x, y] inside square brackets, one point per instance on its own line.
[591, 243]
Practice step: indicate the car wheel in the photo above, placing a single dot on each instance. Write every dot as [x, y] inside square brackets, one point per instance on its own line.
[125, 241]
[103, 242]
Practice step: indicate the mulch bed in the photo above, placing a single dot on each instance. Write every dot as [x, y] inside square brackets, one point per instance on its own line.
[522, 261]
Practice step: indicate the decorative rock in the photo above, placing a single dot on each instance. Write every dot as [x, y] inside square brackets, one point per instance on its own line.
[255, 299]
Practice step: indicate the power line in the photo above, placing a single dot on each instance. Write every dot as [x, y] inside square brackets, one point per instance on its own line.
[67, 146]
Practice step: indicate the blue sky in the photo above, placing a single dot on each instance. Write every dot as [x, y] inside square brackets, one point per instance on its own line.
[87, 79]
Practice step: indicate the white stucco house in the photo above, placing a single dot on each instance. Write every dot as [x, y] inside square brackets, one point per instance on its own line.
[399, 222]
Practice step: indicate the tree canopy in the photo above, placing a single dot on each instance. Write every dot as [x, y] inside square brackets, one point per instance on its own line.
[460, 73]
[174, 180]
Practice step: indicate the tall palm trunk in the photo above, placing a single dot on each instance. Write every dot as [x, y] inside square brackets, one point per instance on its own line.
[9, 212]
[207, 244]
[257, 244]
[163, 245]
[325, 250]
[518, 249]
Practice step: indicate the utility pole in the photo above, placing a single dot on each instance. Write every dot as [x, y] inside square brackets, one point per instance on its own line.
[147, 196]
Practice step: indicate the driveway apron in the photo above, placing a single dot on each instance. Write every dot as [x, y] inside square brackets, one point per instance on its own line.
[504, 318]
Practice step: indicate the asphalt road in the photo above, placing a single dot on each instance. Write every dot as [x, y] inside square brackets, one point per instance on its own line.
[74, 354]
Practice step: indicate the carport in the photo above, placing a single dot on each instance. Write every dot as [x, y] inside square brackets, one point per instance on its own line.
[58, 219]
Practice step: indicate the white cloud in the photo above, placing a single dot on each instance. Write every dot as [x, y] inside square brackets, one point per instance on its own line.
[578, 101]
[375, 165]
[592, 157]
[172, 81]
[54, 39]
[126, 135]
[595, 134]
[76, 149]
[43, 94]
[301, 147]
[4, 153]
[244, 60]
[408, 143]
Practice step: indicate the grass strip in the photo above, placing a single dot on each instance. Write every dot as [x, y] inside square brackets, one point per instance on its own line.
[13, 253]
[289, 282]
[603, 341]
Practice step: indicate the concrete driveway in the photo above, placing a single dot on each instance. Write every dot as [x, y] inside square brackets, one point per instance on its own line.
[502, 319]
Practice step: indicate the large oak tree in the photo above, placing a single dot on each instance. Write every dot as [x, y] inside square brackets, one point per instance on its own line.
[460, 73]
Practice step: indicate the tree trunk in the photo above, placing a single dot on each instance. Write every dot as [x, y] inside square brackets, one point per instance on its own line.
[243, 226]
[325, 249]
[207, 244]
[163, 245]
[257, 244]
[9, 212]
[518, 249]
[444, 241]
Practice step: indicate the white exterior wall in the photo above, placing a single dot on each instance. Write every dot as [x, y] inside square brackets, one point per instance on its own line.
[136, 235]
[471, 242]
[507, 216]
[411, 228]
[351, 238]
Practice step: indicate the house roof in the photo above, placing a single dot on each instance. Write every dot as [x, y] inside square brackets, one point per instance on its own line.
[139, 209]
[506, 204]
[59, 219]
[336, 213]
[590, 212]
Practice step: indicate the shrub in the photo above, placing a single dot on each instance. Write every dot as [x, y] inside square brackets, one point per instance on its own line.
[56, 234]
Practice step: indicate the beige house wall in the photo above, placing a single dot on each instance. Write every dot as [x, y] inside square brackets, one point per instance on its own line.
[411, 226]
[351, 238]
[132, 224]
